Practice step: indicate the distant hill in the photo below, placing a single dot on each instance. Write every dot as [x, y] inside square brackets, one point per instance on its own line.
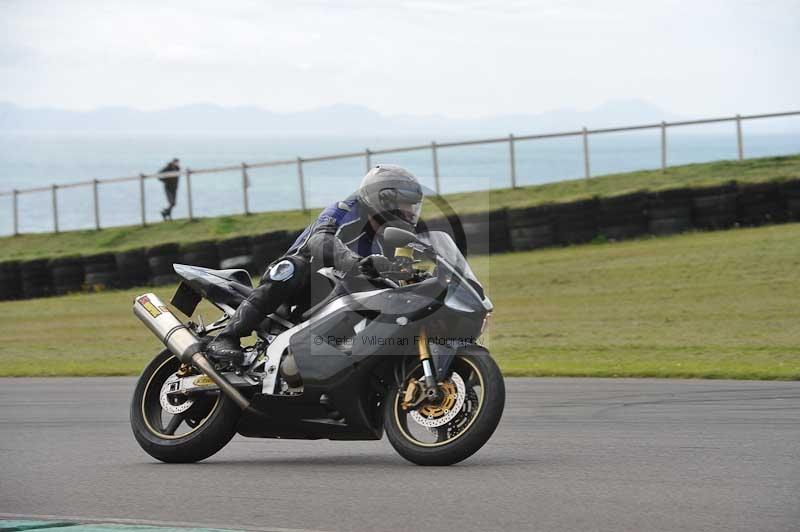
[341, 119]
[338, 119]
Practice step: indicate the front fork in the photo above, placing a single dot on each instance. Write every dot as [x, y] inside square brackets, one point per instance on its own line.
[429, 387]
[425, 389]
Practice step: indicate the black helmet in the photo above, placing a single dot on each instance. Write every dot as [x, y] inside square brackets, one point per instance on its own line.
[392, 195]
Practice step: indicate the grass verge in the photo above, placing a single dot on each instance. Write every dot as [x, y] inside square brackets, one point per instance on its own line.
[120, 238]
[706, 305]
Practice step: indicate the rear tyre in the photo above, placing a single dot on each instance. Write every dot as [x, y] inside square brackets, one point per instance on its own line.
[449, 432]
[200, 431]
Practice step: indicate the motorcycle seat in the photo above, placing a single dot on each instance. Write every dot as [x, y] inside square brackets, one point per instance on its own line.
[235, 275]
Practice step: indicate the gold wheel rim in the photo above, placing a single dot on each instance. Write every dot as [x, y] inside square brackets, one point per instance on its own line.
[463, 431]
[147, 421]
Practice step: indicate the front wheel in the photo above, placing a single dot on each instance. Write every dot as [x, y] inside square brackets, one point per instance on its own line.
[453, 427]
[179, 429]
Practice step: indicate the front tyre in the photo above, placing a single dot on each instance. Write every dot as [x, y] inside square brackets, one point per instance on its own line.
[179, 430]
[455, 426]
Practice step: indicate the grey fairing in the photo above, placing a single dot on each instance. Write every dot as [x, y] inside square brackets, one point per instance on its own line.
[414, 302]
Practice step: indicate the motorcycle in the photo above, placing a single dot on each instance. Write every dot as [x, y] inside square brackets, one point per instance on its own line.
[397, 354]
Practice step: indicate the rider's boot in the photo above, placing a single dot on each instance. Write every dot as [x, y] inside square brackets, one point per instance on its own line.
[226, 347]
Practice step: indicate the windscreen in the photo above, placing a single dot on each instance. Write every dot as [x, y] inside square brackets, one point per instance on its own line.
[448, 250]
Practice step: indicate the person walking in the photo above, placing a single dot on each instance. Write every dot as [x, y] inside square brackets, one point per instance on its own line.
[170, 187]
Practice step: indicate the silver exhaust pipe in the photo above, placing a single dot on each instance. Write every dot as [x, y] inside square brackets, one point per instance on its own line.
[181, 342]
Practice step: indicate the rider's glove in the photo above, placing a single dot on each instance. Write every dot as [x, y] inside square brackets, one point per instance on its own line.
[376, 265]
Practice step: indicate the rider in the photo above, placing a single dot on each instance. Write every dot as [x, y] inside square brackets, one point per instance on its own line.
[345, 236]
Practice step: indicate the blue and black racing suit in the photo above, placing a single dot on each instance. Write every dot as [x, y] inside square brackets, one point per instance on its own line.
[340, 237]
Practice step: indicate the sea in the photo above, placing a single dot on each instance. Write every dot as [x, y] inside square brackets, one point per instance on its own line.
[41, 159]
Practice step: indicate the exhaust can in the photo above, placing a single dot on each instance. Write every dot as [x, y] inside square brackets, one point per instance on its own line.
[167, 327]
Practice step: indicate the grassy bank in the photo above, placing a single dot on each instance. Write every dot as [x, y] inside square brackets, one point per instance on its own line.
[713, 305]
[113, 239]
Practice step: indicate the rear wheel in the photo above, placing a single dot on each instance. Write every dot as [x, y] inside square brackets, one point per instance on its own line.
[453, 427]
[179, 429]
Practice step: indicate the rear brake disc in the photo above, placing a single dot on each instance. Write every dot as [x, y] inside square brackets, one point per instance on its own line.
[173, 404]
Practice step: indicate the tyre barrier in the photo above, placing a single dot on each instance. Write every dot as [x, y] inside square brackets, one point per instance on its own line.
[576, 222]
[453, 226]
[159, 263]
[621, 217]
[669, 211]
[234, 253]
[760, 203]
[714, 207]
[101, 272]
[203, 254]
[790, 190]
[531, 228]
[35, 277]
[268, 247]
[10, 287]
[499, 237]
[132, 268]
[486, 232]
[66, 274]
[661, 212]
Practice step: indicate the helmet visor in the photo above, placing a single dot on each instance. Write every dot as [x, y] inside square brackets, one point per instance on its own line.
[403, 204]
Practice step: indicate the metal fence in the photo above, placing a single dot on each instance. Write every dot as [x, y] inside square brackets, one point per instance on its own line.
[367, 155]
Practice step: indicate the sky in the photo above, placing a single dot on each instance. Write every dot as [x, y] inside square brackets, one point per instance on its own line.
[462, 59]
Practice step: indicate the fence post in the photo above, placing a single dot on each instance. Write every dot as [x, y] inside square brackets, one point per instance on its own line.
[141, 200]
[739, 137]
[95, 196]
[15, 206]
[368, 158]
[513, 160]
[245, 184]
[54, 196]
[301, 180]
[663, 146]
[435, 168]
[189, 194]
[586, 170]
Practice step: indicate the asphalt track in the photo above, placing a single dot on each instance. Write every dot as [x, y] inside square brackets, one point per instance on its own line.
[570, 454]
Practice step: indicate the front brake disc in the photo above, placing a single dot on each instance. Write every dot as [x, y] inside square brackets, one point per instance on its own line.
[441, 413]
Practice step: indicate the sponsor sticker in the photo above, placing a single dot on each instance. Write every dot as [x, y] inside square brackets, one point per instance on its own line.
[150, 307]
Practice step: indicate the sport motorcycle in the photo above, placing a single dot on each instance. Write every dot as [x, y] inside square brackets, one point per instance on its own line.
[398, 354]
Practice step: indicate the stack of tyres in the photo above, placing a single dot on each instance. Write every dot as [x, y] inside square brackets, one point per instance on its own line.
[790, 190]
[203, 254]
[453, 226]
[486, 232]
[714, 207]
[760, 203]
[9, 281]
[436, 224]
[66, 274]
[235, 253]
[160, 260]
[35, 276]
[499, 237]
[621, 217]
[132, 268]
[670, 211]
[576, 222]
[531, 228]
[268, 247]
[101, 272]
